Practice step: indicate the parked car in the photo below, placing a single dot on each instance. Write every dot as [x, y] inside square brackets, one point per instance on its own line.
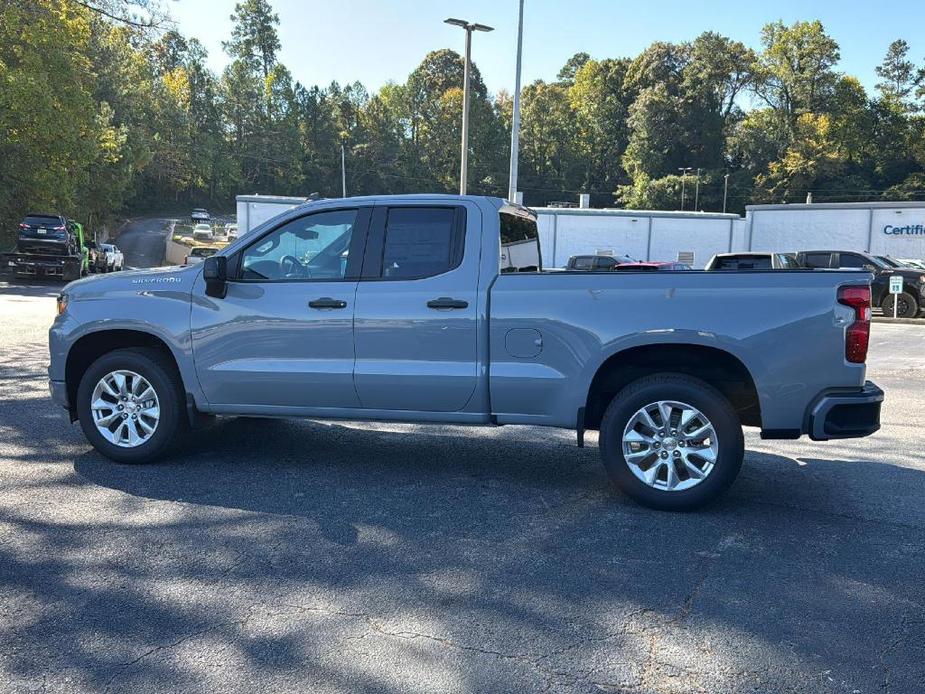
[199, 253]
[753, 261]
[113, 256]
[401, 308]
[231, 231]
[912, 262]
[908, 302]
[651, 266]
[200, 215]
[202, 232]
[595, 263]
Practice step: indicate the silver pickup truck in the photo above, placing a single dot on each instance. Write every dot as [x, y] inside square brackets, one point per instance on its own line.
[435, 308]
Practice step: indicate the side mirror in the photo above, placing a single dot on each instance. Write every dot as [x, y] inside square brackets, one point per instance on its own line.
[215, 273]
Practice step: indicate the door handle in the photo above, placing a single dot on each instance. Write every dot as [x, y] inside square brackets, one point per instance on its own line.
[327, 302]
[446, 302]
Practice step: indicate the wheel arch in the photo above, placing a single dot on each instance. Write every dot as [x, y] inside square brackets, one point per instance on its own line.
[720, 368]
[89, 347]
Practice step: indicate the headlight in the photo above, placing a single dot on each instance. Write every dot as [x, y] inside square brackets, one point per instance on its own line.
[62, 303]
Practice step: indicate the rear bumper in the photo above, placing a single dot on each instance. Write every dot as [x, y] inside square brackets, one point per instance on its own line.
[845, 414]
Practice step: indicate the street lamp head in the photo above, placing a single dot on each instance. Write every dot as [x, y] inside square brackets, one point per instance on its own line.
[466, 25]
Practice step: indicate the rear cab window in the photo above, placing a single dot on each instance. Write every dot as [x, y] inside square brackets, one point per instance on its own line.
[520, 240]
[743, 263]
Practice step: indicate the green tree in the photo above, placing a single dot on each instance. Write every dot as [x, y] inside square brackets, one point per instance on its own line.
[254, 38]
[795, 72]
[898, 73]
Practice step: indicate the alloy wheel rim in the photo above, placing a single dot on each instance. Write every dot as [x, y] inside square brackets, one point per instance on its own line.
[125, 408]
[670, 445]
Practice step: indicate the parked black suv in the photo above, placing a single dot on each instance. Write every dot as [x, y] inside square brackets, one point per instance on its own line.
[46, 233]
[907, 303]
[595, 263]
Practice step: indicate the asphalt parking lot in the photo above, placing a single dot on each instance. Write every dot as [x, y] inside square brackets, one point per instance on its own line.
[301, 556]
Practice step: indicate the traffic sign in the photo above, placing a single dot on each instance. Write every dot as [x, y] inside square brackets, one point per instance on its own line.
[896, 288]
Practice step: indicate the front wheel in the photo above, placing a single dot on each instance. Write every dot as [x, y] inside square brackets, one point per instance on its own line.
[130, 405]
[671, 442]
[906, 305]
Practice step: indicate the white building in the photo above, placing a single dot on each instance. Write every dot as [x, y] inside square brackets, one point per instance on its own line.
[689, 237]
[896, 229]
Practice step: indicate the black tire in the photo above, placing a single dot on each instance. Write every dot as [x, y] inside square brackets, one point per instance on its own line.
[907, 306]
[685, 389]
[162, 374]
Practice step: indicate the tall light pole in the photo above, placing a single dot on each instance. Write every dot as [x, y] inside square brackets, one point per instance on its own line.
[697, 193]
[464, 156]
[684, 171]
[343, 171]
[725, 191]
[515, 121]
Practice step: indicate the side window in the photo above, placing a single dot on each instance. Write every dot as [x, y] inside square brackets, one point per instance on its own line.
[520, 242]
[422, 241]
[852, 261]
[817, 260]
[313, 247]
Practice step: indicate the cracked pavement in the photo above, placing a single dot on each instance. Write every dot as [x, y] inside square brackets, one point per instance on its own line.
[294, 556]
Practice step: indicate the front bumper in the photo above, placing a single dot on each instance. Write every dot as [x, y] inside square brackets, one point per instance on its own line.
[58, 391]
[845, 414]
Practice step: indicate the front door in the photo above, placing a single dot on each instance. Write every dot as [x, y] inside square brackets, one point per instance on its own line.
[283, 335]
[416, 309]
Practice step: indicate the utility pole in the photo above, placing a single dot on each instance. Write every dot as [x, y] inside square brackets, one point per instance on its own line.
[725, 191]
[697, 194]
[515, 121]
[684, 170]
[464, 155]
[343, 172]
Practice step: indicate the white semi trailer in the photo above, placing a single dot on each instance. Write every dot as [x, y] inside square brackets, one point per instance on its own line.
[256, 209]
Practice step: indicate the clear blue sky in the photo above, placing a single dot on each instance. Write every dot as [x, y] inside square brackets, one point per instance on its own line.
[376, 41]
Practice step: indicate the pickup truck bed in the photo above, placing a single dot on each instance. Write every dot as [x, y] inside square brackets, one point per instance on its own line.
[434, 309]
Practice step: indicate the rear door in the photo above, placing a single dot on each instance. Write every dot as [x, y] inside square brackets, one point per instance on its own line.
[416, 308]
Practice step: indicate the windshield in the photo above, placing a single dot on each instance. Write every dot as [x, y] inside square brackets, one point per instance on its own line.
[203, 252]
[889, 262]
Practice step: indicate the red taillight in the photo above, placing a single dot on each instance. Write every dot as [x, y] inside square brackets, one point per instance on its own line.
[58, 228]
[857, 336]
[23, 226]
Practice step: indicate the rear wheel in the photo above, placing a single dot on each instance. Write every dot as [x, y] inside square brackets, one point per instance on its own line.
[130, 405]
[906, 305]
[671, 442]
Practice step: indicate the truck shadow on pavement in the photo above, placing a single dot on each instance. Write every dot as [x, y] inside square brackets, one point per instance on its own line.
[31, 288]
[352, 556]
